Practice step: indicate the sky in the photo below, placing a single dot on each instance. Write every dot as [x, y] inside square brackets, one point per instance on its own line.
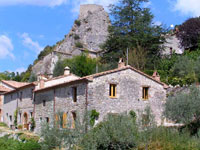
[27, 26]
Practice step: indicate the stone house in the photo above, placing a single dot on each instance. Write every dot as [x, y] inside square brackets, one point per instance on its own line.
[21, 98]
[114, 91]
[2, 91]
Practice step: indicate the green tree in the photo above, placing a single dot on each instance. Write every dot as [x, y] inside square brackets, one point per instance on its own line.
[81, 65]
[132, 25]
[184, 107]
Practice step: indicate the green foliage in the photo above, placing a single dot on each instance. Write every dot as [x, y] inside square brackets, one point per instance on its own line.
[167, 139]
[94, 115]
[81, 65]
[79, 44]
[15, 117]
[32, 78]
[112, 134]
[77, 22]
[32, 124]
[11, 144]
[2, 124]
[59, 68]
[132, 26]
[183, 107]
[76, 37]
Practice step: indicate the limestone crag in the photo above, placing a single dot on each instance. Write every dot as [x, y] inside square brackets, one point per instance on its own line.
[89, 31]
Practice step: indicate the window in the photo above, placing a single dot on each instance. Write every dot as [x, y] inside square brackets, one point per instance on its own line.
[40, 119]
[73, 119]
[10, 118]
[47, 119]
[32, 94]
[20, 96]
[74, 92]
[20, 115]
[44, 103]
[112, 90]
[145, 93]
[64, 120]
[31, 114]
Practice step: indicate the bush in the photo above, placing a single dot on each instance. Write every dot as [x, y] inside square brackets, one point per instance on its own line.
[20, 127]
[76, 37]
[79, 45]
[167, 139]
[2, 124]
[77, 22]
[11, 144]
[114, 133]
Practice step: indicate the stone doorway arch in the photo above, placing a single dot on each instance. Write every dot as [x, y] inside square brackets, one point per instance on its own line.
[25, 121]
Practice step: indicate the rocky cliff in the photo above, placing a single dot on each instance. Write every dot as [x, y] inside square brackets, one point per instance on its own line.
[89, 31]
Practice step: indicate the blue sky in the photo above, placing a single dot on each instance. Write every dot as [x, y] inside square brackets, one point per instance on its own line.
[27, 26]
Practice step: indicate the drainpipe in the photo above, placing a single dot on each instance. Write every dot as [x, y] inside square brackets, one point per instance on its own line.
[86, 107]
[54, 102]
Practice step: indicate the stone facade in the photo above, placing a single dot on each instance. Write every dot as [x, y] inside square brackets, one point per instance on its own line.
[129, 88]
[59, 99]
[114, 91]
[21, 100]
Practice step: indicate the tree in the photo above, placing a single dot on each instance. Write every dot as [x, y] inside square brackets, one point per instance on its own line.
[81, 65]
[183, 107]
[189, 33]
[132, 26]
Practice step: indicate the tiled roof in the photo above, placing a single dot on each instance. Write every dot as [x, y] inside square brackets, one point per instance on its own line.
[14, 84]
[63, 84]
[25, 85]
[4, 89]
[124, 68]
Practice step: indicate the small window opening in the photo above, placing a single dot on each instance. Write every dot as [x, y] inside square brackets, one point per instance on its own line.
[145, 93]
[74, 91]
[44, 103]
[112, 90]
[47, 119]
[73, 119]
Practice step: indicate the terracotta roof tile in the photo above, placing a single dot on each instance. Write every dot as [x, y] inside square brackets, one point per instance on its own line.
[123, 68]
[4, 89]
[14, 84]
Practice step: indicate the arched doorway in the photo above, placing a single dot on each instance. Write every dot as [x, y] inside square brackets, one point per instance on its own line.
[25, 121]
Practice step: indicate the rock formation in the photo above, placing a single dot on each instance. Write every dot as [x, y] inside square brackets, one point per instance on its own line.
[89, 31]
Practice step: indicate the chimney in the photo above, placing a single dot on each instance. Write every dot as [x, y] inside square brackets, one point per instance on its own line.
[41, 79]
[67, 71]
[121, 63]
[156, 76]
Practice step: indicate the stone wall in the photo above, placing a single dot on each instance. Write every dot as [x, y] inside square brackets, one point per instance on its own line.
[25, 104]
[9, 107]
[129, 94]
[62, 96]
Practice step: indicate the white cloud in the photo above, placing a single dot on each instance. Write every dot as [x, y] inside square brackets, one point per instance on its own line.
[6, 47]
[147, 4]
[20, 70]
[188, 7]
[104, 3]
[157, 23]
[29, 43]
[50, 3]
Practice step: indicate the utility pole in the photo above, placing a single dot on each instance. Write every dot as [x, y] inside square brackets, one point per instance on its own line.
[127, 57]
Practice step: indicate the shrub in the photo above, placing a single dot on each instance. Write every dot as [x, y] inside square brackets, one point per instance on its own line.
[19, 127]
[76, 37]
[114, 133]
[94, 115]
[2, 124]
[79, 45]
[77, 22]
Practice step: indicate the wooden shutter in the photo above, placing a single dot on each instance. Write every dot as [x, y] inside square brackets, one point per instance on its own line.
[64, 120]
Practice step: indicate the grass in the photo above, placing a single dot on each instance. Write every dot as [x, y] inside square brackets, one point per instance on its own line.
[3, 124]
